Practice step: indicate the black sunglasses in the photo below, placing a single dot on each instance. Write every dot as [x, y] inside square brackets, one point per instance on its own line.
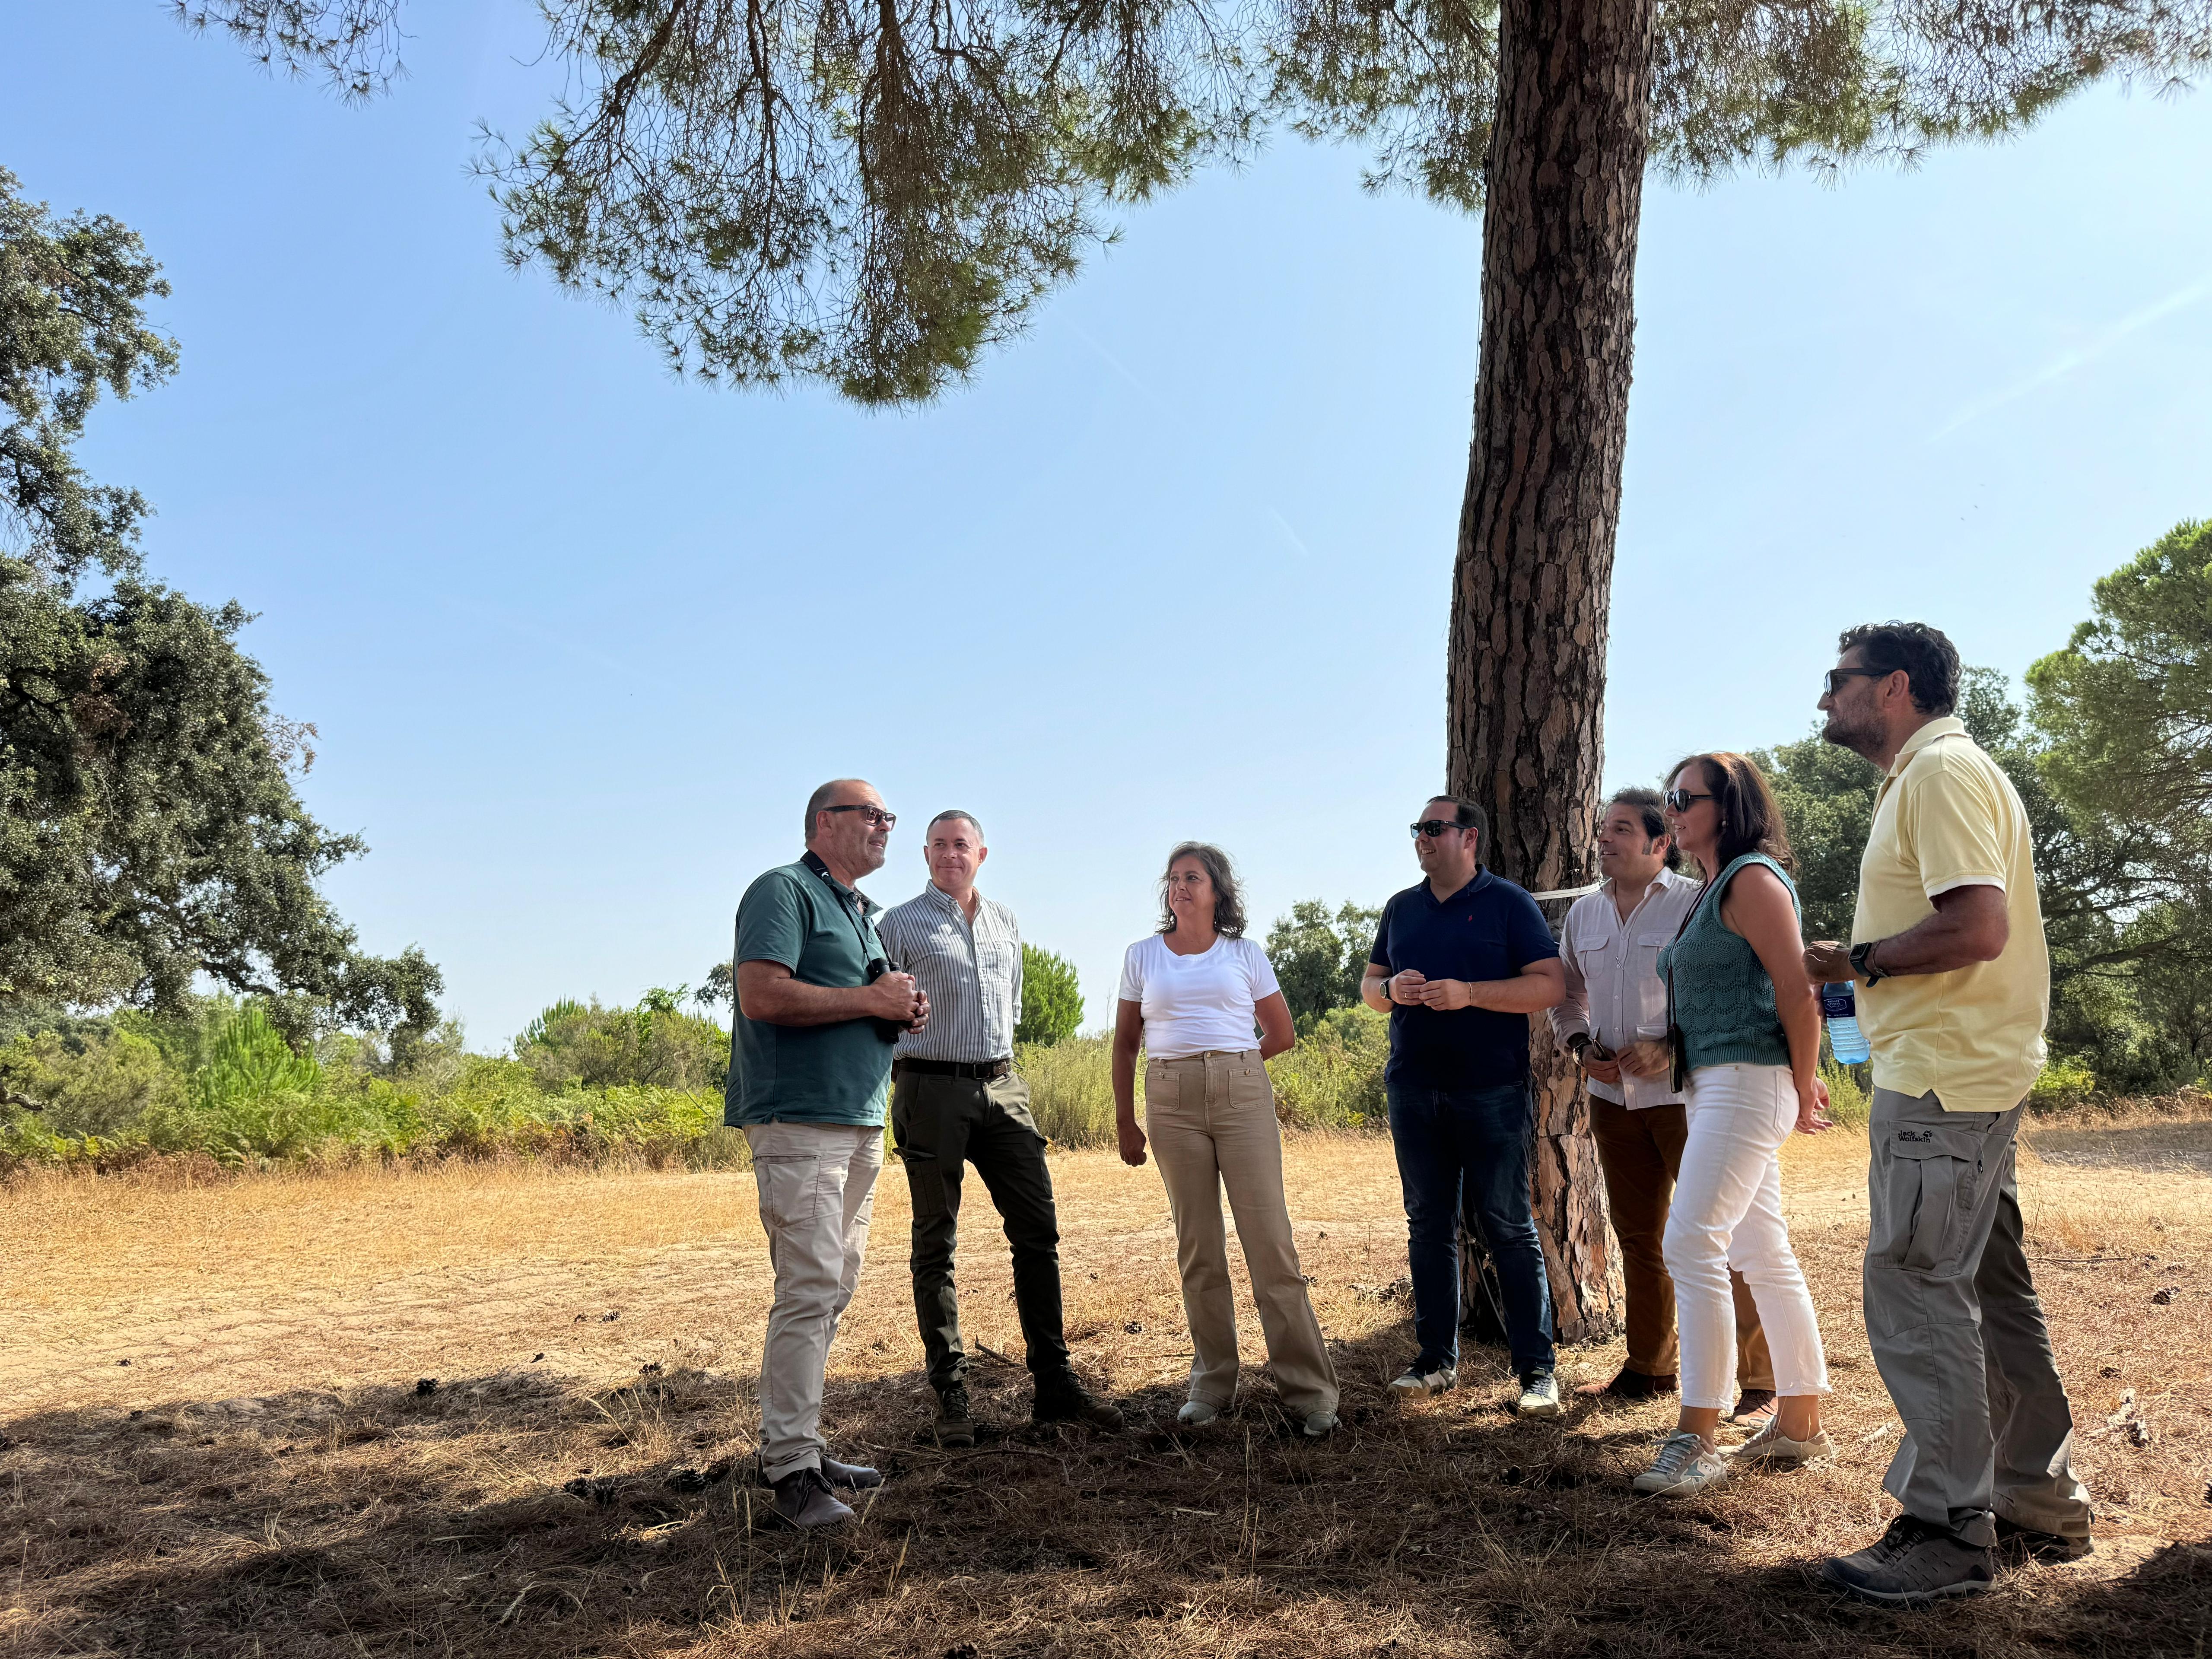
[1681, 799]
[1435, 827]
[1834, 676]
[876, 814]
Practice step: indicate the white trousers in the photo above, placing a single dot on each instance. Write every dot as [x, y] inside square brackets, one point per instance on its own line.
[817, 1191]
[1727, 1213]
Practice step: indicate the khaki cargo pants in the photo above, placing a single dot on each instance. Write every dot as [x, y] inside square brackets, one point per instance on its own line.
[1957, 1330]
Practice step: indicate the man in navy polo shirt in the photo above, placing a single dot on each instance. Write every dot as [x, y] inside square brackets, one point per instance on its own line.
[1461, 962]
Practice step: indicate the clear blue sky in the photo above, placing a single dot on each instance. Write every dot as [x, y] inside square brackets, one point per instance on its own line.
[579, 638]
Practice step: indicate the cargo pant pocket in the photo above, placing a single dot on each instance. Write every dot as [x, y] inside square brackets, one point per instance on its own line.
[1930, 1181]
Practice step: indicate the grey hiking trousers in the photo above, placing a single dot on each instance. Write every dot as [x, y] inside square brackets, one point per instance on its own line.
[1956, 1329]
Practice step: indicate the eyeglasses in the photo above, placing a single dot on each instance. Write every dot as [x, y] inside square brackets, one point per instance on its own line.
[1435, 827]
[875, 815]
[1681, 800]
[1830, 680]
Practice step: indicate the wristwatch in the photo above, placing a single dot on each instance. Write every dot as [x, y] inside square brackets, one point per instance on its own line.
[1861, 966]
[1577, 1043]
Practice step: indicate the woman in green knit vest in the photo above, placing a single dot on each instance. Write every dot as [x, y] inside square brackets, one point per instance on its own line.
[1749, 1026]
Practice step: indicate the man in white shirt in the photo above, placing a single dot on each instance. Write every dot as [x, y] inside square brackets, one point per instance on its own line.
[1614, 1023]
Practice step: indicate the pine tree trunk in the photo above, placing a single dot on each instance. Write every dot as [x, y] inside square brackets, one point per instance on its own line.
[1534, 572]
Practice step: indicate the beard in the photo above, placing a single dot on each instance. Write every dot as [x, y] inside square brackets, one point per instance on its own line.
[1861, 734]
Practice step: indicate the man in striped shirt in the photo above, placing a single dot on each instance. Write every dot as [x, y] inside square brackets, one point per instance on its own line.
[954, 1100]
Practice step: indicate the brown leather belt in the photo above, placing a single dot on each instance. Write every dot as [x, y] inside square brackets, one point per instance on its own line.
[980, 1071]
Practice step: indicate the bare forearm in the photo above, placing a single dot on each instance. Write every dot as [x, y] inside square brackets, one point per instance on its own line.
[1526, 994]
[1371, 991]
[1942, 944]
[1125, 1081]
[1800, 1023]
[795, 1002]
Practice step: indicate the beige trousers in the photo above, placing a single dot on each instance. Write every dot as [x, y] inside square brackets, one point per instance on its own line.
[1211, 1119]
[817, 1190]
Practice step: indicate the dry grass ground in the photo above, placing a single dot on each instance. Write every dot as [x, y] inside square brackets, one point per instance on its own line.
[212, 1440]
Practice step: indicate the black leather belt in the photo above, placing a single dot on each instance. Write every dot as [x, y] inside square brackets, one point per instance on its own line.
[975, 1070]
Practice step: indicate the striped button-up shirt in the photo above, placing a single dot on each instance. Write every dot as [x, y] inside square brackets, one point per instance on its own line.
[1613, 989]
[972, 973]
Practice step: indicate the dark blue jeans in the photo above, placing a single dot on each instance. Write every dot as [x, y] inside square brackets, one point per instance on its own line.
[1475, 1141]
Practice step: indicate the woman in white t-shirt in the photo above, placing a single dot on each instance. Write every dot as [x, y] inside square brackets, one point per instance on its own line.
[1193, 995]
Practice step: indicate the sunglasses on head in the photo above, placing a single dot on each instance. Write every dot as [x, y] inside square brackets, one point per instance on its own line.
[1435, 827]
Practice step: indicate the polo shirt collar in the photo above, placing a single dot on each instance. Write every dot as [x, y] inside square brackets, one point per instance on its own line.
[868, 906]
[1482, 879]
[1947, 726]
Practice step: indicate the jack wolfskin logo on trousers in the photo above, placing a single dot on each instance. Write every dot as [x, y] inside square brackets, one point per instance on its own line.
[1917, 1135]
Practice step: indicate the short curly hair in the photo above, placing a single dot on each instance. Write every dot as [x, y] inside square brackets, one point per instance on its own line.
[1228, 894]
[1926, 654]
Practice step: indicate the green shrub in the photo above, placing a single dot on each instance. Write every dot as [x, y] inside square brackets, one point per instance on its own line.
[2063, 1086]
[653, 1045]
[93, 1086]
[1072, 1089]
[1847, 1101]
[1052, 1000]
[1333, 1079]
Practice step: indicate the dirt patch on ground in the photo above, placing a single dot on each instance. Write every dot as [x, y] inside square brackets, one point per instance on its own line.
[480, 1412]
[2154, 1146]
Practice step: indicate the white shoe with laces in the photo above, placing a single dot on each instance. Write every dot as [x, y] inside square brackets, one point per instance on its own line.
[1771, 1449]
[1196, 1413]
[1686, 1463]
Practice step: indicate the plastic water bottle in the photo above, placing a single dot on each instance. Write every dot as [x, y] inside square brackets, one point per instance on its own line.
[1839, 1006]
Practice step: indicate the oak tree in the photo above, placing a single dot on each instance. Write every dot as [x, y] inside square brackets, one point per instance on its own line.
[149, 828]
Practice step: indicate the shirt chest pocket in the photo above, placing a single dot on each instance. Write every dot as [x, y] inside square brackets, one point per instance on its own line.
[994, 965]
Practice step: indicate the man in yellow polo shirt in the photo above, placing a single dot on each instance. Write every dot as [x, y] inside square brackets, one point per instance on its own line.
[1954, 992]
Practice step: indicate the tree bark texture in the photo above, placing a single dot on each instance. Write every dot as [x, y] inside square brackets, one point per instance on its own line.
[1533, 577]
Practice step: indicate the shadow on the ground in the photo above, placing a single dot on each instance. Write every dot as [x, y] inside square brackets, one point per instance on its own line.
[519, 1515]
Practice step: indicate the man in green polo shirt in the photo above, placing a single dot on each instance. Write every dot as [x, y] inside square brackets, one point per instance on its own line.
[818, 1010]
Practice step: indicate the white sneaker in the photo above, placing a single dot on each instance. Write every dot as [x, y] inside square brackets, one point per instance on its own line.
[1415, 1383]
[1321, 1425]
[1540, 1395]
[1687, 1463]
[1771, 1449]
[1196, 1413]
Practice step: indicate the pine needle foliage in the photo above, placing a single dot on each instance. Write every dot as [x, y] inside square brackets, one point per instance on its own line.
[874, 195]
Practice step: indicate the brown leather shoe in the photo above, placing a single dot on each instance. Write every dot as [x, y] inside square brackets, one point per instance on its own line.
[1633, 1385]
